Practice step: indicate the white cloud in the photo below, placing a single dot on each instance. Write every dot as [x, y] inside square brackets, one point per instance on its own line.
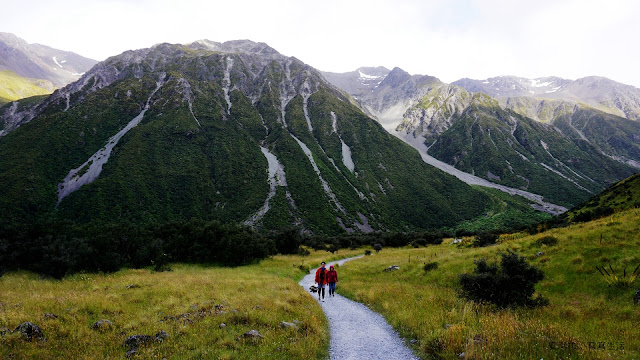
[448, 39]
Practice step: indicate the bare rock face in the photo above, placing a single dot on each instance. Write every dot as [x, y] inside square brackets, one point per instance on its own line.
[29, 331]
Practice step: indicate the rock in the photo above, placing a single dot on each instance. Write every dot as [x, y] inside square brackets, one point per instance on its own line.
[161, 336]
[133, 286]
[102, 325]
[134, 341]
[462, 355]
[252, 334]
[413, 341]
[540, 253]
[50, 316]
[222, 326]
[258, 307]
[288, 325]
[447, 326]
[636, 298]
[456, 241]
[392, 268]
[131, 352]
[29, 331]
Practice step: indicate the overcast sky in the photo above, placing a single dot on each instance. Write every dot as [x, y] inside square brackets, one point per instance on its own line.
[449, 39]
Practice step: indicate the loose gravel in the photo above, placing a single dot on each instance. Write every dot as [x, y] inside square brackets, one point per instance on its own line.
[356, 331]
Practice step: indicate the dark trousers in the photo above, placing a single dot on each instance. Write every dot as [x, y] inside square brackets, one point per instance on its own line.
[320, 290]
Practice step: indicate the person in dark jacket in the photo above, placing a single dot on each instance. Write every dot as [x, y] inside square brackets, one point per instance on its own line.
[332, 279]
[321, 279]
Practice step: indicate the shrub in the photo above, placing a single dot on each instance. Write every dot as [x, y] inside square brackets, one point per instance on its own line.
[511, 284]
[484, 239]
[547, 240]
[430, 266]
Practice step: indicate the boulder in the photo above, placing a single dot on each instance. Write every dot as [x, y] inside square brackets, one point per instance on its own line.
[29, 331]
[102, 325]
[392, 268]
[288, 325]
[252, 334]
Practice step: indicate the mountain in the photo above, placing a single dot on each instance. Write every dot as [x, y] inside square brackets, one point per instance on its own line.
[229, 131]
[384, 94]
[472, 135]
[597, 92]
[35, 61]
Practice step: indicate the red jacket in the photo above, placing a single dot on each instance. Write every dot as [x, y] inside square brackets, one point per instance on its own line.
[332, 276]
[322, 281]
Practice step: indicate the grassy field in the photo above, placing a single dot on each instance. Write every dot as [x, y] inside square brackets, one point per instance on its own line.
[586, 318]
[183, 302]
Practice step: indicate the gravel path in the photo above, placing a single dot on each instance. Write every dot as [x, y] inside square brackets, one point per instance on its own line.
[356, 331]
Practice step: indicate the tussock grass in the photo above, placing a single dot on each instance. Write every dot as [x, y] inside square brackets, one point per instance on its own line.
[586, 318]
[189, 303]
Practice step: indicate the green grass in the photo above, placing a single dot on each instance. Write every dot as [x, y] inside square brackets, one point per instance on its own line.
[256, 297]
[15, 87]
[583, 308]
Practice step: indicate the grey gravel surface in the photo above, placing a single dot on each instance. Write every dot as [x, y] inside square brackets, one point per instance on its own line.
[356, 331]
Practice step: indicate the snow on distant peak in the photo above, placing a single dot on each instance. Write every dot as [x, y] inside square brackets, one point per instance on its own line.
[368, 77]
[537, 83]
[56, 61]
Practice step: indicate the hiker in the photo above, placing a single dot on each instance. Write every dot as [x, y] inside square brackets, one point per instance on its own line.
[332, 279]
[321, 279]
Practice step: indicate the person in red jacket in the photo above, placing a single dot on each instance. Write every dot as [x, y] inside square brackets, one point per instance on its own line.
[321, 279]
[332, 279]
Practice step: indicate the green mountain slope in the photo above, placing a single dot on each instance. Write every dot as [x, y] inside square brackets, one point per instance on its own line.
[234, 132]
[14, 87]
[475, 134]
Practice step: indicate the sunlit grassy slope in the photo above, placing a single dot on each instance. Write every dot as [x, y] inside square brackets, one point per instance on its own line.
[14, 87]
[255, 297]
[586, 318]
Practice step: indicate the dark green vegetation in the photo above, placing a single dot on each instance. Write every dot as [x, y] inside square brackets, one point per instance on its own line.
[512, 283]
[194, 157]
[507, 148]
[621, 196]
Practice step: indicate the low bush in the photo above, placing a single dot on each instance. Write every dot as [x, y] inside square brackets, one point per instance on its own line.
[510, 284]
[547, 240]
[485, 239]
[430, 266]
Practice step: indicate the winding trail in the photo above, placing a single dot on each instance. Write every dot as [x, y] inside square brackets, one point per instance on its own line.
[356, 331]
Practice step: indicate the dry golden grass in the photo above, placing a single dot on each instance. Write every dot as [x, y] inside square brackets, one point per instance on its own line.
[586, 318]
[189, 303]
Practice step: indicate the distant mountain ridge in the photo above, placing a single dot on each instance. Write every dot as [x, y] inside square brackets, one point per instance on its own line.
[37, 61]
[595, 91]
[496, 139]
